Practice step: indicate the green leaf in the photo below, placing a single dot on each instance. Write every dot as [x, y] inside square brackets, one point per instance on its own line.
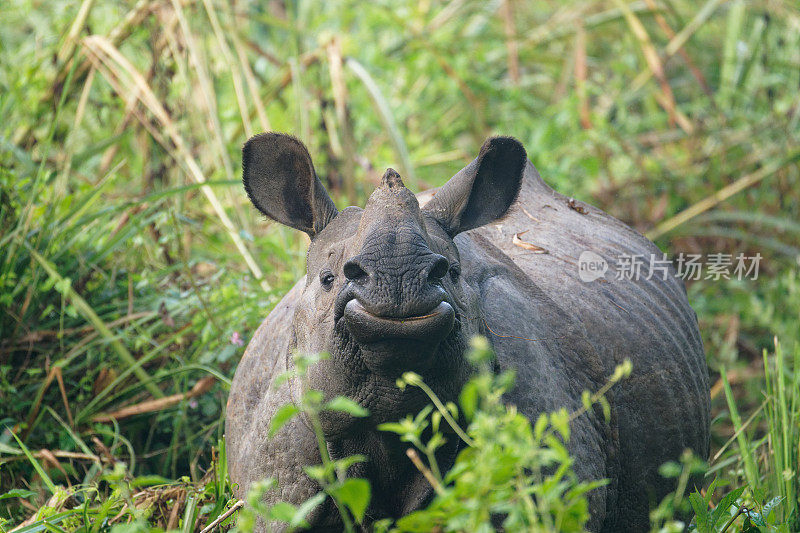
[317, 472]
[393, 427]
[469, 399]
[281, 417]
[750, 469]
[355, 494]
[282, 378]
[422, 416]
[346, 405]
[560, 421]
[757, 519]
[282, 511]
[721, 511]
[36, 465]
[505, 381]
[347, 462]
[540, 426]
[89, 314]
[606, 408]
[769, 506]
[303, 361]
[670, 469]
[17, 493]
[436, 441]
[384, 110]
[313, 398]
[423, 521]
[710, 491]
[586, 400]
[749, 527]
[299, 518]
[53, 528]
[147, 481]
[700, 508]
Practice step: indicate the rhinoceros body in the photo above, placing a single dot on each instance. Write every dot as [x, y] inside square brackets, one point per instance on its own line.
[519, 285]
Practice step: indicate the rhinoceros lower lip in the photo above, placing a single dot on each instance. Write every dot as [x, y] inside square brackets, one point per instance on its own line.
[366, 327]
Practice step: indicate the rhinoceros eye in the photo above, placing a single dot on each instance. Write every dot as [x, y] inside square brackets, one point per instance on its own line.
[326, 278]
[455, 271]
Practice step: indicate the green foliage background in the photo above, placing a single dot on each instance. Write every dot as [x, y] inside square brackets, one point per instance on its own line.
[122, 280]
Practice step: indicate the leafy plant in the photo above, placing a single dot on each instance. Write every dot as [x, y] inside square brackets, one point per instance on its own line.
[351, 495]
[118, 501]
[512, 472]
[729, 509]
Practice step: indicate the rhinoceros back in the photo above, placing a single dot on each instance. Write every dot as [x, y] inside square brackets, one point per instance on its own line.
[663, 408]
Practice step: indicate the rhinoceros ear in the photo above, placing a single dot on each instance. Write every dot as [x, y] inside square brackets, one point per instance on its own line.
[280, 180]
[482, 191]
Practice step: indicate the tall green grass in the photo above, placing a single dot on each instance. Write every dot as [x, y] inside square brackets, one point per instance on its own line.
[765, 464]
[131, 265]
[782, 462]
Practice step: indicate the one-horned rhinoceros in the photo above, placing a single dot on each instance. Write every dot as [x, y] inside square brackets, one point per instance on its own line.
[397, 287]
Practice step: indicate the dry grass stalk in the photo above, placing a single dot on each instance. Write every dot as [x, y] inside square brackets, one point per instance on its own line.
[424, 470]
[676, 43]
[38, 336]
[236, 75]
[199, 64]
[61, 454]
[720, 196]
[221, 518]
[667, 29]
[580, 75]
[54, 373]
[68, 47]
[119, 67]
[252, 85]
[654, 63]
[336, 66]
[507, 13]
[149, 406]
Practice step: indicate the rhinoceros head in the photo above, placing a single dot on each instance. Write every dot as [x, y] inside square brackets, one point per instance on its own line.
[383, 291]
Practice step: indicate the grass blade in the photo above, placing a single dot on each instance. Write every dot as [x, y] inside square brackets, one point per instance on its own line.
[36, 465]
[385, 112]
[88, 313]
[104, 52]
[721, 195]
[751, 472]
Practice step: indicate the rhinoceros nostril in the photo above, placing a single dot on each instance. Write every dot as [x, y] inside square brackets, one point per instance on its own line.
[439, 269]
[353, 271]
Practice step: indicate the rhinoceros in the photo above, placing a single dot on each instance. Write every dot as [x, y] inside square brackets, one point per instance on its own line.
[402, 284]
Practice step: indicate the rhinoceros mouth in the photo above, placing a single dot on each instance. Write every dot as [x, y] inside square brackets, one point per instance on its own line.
[431, 327]
[391, 346]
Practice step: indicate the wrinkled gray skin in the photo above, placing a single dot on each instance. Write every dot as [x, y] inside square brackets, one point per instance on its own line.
[396, 287]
